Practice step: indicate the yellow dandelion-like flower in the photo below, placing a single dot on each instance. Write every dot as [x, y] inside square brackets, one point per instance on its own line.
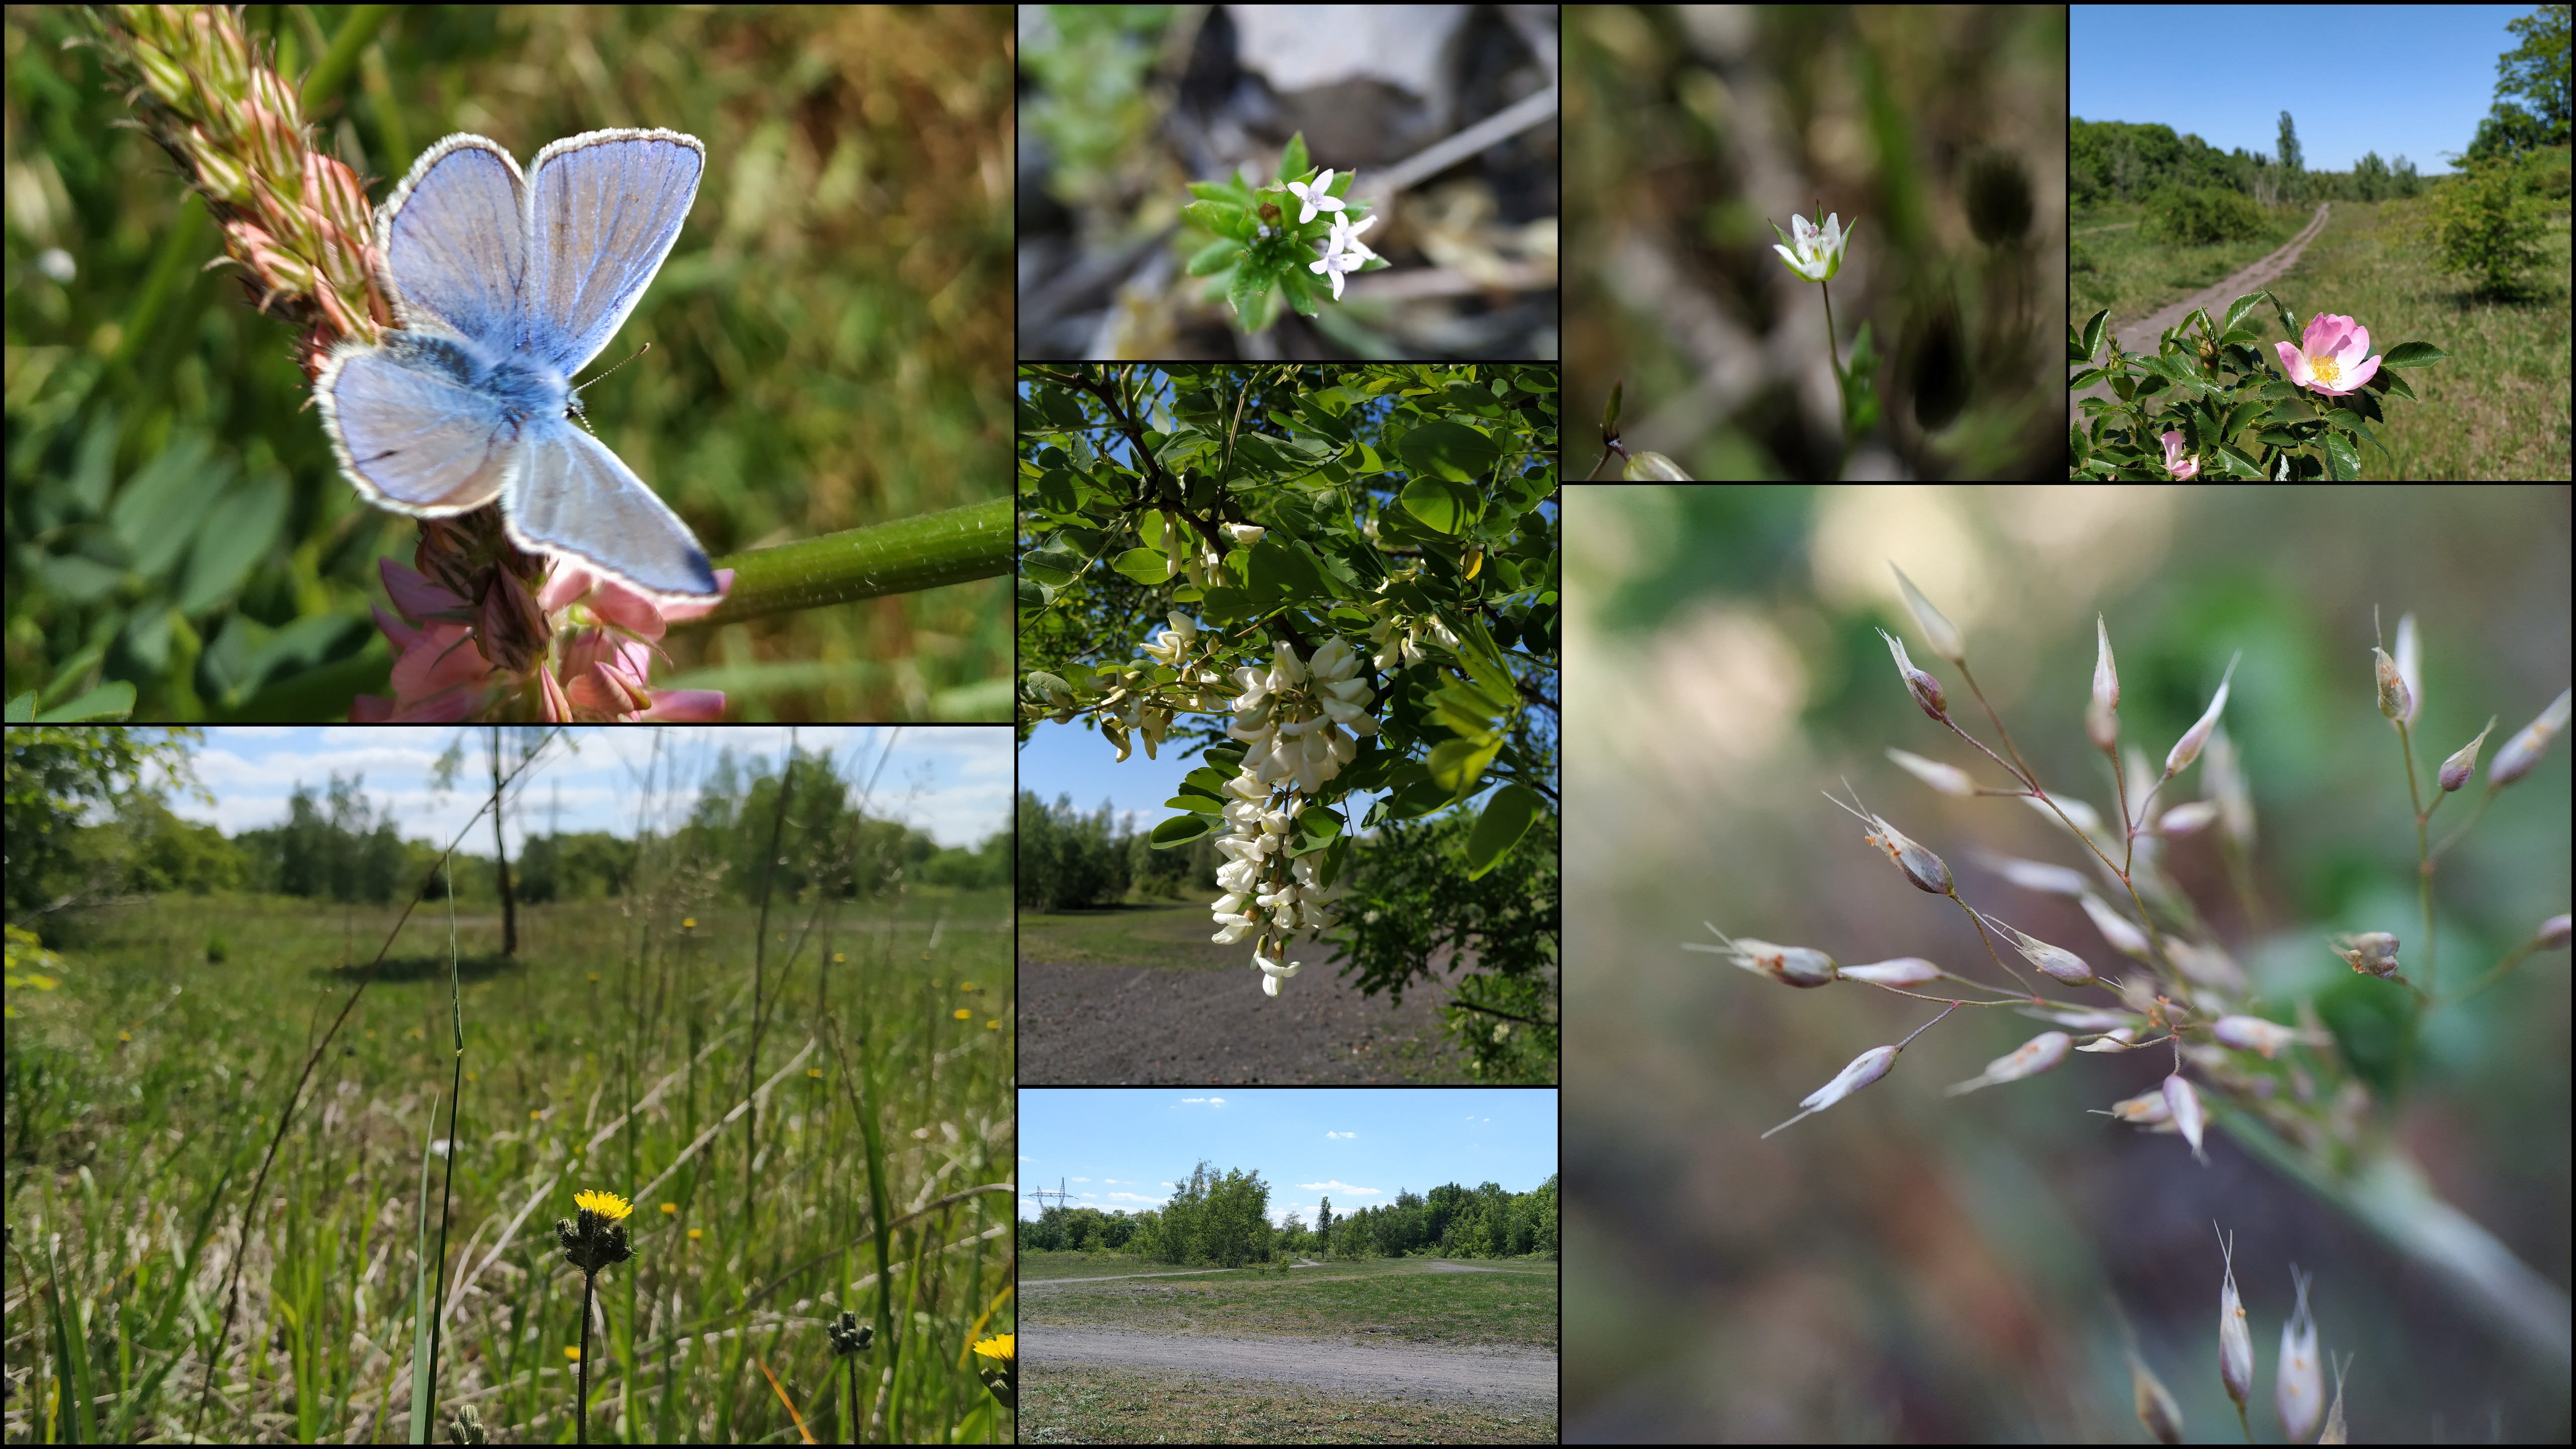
[814, 1072]
[964, 1015]
[594, 976]
[535, 1115]
[688, 923]
[969, 987]
[993, 1025]
[607, 1204]
[572, 1353]
[838, 958]
[125, 1036]
[997, 1347]
[670, 1209]
[695, 1234]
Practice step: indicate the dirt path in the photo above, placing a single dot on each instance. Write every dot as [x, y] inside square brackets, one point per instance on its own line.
[1133, 1025]
[1486, 1376]
[2141, 336]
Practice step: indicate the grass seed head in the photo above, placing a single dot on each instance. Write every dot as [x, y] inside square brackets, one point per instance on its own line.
[2187, 749]
[2029, 1059]
[2156, 1407]
[2182, 1105]
[1866, 1068]
[2124, 937]
[2552, 934]
[1920, 866]
[1791, 965]
[1925, 689]
[2527, 745]
[2235, 1338]
[1938, 631]
[2253, 1033]
[1948, 779]
[2334, 1431]
[2370, 952]
[2032, 875]
[2410, 668]
[2394, 700]
[2055, 962]
[2102, 716]
[2188, 818]
[2298, 1388]
[2143, 1110]
[1903, 971]
[2464, 762]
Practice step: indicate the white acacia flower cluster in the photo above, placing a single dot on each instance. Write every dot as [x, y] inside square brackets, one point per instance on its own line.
[1298, 721]
[1399, 642]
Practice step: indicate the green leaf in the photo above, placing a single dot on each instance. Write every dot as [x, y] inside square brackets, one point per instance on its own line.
[2236, 311]
[1508, 816]
[2094, 329]
[1250, 287]
[112, 700]
[2412, 354]
[2345, 458]
[1301, 291]
[1201, 804]
[1456, 765]
[1225, 218]
[1223, 604]
[1448, 450]
[1181, 830]
[1293, 162]
[1206, 781]
[1440, 505]
[2391, 382]
[1144, 565]
[1417, 799]
[1610, 412]
[1283, 571]
[1215, 257]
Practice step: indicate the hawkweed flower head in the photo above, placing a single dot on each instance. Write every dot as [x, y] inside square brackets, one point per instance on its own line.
[1948, 779]
[2032, 1057]
[2528, 744]
[2298, 1387]
[1925, 689]
[1790, 965]
[999, 1367]
[2235, 1338]
[596, 1237]
[2464, 761]
[850, 1336]
[2370, 952]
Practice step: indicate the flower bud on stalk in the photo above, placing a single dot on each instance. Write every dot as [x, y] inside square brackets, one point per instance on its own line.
[2299, 1387]
[2187, 749]
[2032, 1057]
[2235, 1339]
[1925, 689]
[1903, 971]
[1938, 631]
[2156, 1407]
[2055, 962]
[1866, 1068]
[2394, 700]
[1919, 865]
[2145, 1110]
[2462, 764]
[2374, 952]
[2410, 669]
[2101, 717]
[2526, 747]
[2183, 1104]
[1791, 965]
[2253, 1033]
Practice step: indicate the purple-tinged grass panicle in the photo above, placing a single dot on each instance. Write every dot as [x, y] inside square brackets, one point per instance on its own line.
[1925, 689]
[2552, 934]
[2224, 781]
[2464, 762]
[2033, 875]
[2298, 1386]
[2182, 1102]
[1866, 1068]
[2528, 744]
[2147, 1109]
[1792, 965]
[2235, 1336]
[1938, 631]
[2117, 929]
[2187, 749]
[2394, 699]
[2117, 1039]
[2189, 818]
[2254, 1034]
[2371, 952]
[1948, 779]
[2102, 715]
[1920, 866]
[1903, 971]
[2054, 962]
[2032, 1057]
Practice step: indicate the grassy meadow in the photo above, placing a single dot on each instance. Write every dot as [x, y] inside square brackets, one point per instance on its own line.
[1096, 1404]
[2498, 407]
[1507, 1301]
[612, 1053]
[1169, 934]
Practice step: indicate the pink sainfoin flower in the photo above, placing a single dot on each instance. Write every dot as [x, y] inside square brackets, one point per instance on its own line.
[579, 649]
[2175, 462]
[2331, 359]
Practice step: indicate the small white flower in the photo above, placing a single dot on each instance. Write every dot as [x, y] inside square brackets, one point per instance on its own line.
[1335, 265]
[1317, 197]
[1246, 534]
[1818, 251]
[1346, 238]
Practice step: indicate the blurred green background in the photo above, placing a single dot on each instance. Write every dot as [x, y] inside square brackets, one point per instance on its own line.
[830, 339]
[1698, 128]
[1910, 1266]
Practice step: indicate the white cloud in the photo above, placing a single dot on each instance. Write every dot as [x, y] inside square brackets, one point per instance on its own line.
[1135, 1197]
[1211, 1101]
[1194, 1099]
[1331, 1135]
[1082, 1179]
[1024, 1157]
[1341, 1187]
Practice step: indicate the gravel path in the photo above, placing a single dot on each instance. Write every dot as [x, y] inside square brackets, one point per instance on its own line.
[1128, 1025]
[2141, 336]
[1492, 1377]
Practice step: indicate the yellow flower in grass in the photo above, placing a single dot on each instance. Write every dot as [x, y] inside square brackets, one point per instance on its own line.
[607, 1204]
[997, 1347]
[999, 1370]
[572, 1353]
[964, 1015]
[696, 1233]
[670, 1209]
[993, 1025]
[688, 923]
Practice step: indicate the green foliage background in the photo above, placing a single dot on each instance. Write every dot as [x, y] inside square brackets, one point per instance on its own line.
[830, 343]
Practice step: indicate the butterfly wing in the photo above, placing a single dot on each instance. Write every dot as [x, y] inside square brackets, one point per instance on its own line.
[410, 429]
[608, 206]
[571, 495]
[455, 241]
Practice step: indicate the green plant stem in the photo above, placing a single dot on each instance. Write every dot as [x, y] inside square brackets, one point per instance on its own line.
[922, 552]
[581, 1403]
[1842, 385]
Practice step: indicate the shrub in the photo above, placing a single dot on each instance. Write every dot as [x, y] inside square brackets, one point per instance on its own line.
[2198, 216]
[2485, 224]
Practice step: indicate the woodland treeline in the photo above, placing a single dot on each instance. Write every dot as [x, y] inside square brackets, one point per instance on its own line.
[2123, 161]
[1223, 1220]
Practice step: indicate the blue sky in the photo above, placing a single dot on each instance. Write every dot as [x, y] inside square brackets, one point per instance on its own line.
[1067, 759]
[1126, 1148]
[2410, 80]
[952, 783]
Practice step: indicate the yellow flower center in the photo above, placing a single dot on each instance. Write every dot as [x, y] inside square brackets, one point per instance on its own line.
[2325, 369]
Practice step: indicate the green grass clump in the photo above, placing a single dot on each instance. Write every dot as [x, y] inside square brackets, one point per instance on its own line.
[142, 1093]
[1508, 1301]
[1087, 1405]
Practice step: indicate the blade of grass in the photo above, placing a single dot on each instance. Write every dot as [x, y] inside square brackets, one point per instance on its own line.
[71, 1359]
[775, 1388]
[423, 1313]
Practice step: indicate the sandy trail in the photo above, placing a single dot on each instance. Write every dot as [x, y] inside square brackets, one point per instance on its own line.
[2141, 336]
[1493, 1376]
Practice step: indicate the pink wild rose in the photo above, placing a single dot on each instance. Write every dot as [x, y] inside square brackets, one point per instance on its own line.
[2331, 357]
[2175, 462]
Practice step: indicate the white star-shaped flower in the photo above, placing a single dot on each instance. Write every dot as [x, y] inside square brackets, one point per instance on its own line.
[1317, 197]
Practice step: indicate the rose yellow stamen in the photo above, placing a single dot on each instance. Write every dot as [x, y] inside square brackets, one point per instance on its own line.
[2325, 369]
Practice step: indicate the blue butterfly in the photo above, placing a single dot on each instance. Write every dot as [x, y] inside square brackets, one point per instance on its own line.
[505, 288]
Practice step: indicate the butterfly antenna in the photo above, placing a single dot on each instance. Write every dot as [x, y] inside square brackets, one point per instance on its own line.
[573, 401]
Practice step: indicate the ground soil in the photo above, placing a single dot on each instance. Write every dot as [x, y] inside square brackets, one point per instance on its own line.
[1199, 1023]
[1493, 1376]
[2142, 335]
